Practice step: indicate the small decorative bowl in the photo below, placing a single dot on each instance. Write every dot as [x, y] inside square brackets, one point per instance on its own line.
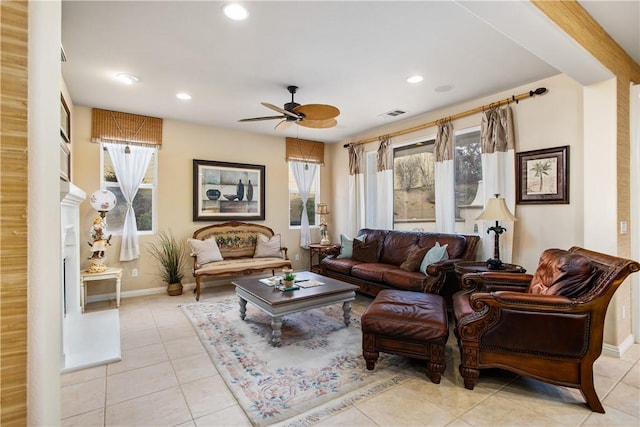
[230, 197]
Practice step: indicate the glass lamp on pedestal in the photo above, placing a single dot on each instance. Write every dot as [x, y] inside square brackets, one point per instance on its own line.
[322, 209]
[102, 201]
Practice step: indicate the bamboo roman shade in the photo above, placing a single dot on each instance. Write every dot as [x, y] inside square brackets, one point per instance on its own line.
[125, 128]
[303, 150]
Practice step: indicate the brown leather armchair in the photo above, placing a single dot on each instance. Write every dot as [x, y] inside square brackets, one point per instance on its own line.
[547, 326]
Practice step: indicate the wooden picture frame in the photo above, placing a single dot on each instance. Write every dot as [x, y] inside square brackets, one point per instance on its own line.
[65, 120]
[543, 176]
[228, 191]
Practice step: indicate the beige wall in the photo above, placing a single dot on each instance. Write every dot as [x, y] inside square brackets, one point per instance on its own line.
[182, 143]
[551, 120]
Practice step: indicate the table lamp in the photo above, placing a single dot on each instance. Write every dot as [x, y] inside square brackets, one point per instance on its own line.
[102, 201]
[496, 210]
[322, 210]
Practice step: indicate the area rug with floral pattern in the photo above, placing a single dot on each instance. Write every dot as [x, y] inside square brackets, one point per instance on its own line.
[316, 372]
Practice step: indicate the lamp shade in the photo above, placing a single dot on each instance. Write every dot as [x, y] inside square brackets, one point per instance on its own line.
[322, 209]
[103, 200]
[496, 210]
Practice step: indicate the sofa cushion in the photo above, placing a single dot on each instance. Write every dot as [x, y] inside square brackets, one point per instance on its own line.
[436, 254]
[339, 265]
[404, 280]
[371, 271]
[365, 252]
[206, 251]
[396, 247]
[562, 273]
[414, 259]
[456, 244]
[268, 247]
[346, 245]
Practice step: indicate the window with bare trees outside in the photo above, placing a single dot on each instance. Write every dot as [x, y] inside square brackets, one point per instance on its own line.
[414, 185]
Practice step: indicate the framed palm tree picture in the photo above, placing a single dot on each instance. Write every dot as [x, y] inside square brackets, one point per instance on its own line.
[543, 176]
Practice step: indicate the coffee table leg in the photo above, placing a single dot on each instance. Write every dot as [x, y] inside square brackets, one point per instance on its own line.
[243, 308]
[346, 306]
[276, 326]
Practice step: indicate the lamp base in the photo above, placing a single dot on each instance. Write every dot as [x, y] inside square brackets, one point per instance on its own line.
[494, 264]
[325, 242]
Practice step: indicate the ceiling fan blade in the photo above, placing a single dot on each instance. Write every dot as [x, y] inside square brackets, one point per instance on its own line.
[318, 124]
[280, 110]
[318, 111]
[257, 119]
[285, 124]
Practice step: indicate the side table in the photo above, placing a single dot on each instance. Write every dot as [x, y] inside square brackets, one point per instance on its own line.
[109, 273]
[321, 251]
[464, 267]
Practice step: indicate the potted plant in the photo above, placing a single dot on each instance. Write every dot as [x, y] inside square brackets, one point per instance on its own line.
[171, 255]
[289, 280]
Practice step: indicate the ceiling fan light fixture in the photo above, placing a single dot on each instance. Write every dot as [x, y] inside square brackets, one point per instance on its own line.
[235, 11]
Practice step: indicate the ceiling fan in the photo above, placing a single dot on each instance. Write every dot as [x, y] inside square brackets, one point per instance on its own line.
[317, 116]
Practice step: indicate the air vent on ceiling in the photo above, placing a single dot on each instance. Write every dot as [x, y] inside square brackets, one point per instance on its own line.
[63, 56]
[392, 114]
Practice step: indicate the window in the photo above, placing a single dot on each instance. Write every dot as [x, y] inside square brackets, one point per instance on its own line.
[468, 167]
[414, 183]
[144, 204]
[295, 201]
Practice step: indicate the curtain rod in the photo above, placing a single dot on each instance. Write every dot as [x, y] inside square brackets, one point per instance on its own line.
[514, 98]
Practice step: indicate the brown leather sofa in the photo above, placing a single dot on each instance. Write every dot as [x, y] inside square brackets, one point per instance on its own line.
[393, 248]
[548, 326]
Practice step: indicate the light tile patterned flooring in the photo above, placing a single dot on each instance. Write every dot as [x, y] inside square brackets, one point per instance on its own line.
[166, 378]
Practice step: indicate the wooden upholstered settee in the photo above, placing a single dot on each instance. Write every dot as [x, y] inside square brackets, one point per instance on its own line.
[237, 242]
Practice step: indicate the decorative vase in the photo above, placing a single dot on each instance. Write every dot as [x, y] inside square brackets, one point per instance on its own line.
[213, 194]
[174, 289]
[240, 190]
[249, 191]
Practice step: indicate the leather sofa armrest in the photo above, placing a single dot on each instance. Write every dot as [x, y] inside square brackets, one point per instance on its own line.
[522, 301]
[284, 252]
[496, 281]
[438, 268]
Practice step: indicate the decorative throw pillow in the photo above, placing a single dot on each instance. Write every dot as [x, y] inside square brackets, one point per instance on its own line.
[268, 248]
[206, 250]
[365, 252]
[346, 246]
[435, 254]
[414, 259]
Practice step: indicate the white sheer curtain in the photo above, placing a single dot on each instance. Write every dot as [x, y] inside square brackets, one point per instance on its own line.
[498, 174]
[356, 188]
[304, 174]
[445, 179]
[130, 169]
[384, 186]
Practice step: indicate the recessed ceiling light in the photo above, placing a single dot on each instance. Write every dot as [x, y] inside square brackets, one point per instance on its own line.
[235, 11]
[183, 96]
[127, 78]
[415, 79]
[444, 88]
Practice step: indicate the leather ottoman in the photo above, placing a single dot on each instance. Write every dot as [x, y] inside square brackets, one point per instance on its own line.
[411, 324]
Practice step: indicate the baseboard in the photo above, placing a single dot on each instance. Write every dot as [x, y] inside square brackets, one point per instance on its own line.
[618, 350]
[154, 291]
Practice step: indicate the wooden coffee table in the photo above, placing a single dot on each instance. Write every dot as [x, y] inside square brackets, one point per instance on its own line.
[277, 303]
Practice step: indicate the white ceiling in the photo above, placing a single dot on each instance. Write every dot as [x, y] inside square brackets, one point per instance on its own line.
[354, 55]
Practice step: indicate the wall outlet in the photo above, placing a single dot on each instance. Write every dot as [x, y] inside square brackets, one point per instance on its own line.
[297, 257]
[134, 272]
